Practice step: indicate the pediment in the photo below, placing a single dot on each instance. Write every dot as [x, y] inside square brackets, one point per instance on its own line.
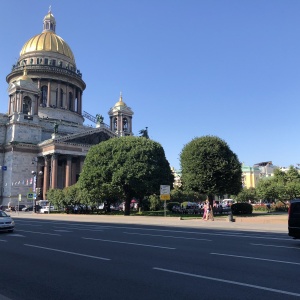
[90, 137]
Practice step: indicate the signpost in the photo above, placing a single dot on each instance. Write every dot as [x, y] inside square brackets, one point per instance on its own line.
[165, 195]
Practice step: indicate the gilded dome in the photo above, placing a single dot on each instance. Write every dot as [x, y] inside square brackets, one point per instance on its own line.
[48, 41]
[120, 102]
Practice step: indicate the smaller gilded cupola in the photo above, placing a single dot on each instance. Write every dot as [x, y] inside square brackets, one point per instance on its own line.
[49, 22]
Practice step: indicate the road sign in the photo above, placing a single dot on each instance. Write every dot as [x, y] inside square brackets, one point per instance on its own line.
[165, 197]
[30, 196]
[165, 190]
[20, 197]
[4, 168]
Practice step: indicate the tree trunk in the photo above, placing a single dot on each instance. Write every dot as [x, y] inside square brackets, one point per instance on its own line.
[127, 207]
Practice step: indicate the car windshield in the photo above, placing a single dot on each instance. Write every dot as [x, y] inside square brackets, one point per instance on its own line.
[3, 214]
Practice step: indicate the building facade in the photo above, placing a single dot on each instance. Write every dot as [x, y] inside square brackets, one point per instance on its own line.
[43, 137]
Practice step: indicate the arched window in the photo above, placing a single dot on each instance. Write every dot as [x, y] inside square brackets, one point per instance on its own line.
[70, 100]
[44, 95]
[115, 123]
[26, 105]
[125, 124]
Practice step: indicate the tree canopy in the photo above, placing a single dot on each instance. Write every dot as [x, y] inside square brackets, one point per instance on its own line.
[123, 168]
[282, 186]
[210, 167]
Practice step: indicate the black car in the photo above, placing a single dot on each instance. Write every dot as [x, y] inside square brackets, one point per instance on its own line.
[28, 208]
[294, 218]
[18, 207]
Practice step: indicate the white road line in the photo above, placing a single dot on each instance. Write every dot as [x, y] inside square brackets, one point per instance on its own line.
[40, 232]
[135, 244]
[68, 252]
[257, 258]
[276, 246]
[205, 233]
[3, 241]
[74, 228]
[62, 230]
[230, 282]
[168, 236]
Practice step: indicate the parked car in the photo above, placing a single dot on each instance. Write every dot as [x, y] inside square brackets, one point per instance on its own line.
[6, 222]
[227, 202]
[294, 219]
[28, 208]
[17, 207]
[45, 209]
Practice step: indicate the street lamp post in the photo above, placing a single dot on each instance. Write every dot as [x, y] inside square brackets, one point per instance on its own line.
[34, 189]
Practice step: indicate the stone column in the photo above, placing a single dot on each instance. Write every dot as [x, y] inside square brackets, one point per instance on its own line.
[46, 177]
[58, 95]
[69, 171]
[54, 165]
[20, 102]
[9, 105]
[67, 97]
[49, 94]
[73, 172]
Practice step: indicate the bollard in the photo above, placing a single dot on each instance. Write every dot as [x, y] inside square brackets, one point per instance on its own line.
[230, 217]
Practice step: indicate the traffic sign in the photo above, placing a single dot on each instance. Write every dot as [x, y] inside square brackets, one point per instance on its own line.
[165, 197]
[30, 196]
[165, 190]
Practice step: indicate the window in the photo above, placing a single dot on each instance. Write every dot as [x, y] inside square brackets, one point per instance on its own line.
[26, 105]
[70, 100]
[44, 90]
[46, 61]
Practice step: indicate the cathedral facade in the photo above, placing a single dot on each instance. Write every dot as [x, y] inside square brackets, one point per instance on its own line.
[43, 137]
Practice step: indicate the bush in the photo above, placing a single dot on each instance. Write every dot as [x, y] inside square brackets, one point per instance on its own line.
[241, 208]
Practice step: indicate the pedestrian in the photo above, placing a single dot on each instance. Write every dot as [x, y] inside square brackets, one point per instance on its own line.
[207, 209]
[204, 211]
[268, 207]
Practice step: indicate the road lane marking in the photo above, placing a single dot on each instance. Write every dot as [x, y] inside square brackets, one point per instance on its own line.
[68, 252]
[168, 236]
[3, 240]
[62, 230]
[257, 258]
[230, 282]
[127, 243]
[276, 246]
[40, 232]
[74, 228]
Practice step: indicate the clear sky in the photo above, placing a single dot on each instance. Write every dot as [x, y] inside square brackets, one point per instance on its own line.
[187, 68]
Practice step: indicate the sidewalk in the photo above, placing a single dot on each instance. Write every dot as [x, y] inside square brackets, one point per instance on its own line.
[269, 223]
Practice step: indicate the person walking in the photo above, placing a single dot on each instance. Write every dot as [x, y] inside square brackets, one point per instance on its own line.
[209, 211]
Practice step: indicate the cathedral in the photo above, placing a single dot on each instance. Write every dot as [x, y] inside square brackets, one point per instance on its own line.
[43, 137]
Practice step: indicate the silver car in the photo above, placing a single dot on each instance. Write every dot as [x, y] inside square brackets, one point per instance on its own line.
[6, 222]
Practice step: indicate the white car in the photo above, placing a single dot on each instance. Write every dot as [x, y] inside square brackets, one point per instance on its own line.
[45, 209]
[6, 222]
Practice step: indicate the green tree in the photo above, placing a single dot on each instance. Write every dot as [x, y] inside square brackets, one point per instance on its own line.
[56, 197]
[246, 194]
[124, 168]
[210, 167]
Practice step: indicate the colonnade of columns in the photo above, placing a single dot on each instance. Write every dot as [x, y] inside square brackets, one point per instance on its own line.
[60, 171]
[15, 103]
[66, 88]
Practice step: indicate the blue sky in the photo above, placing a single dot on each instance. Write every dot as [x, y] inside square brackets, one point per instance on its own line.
[187, 68]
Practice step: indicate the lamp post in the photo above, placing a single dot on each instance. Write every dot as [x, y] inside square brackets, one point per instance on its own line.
[34, 188]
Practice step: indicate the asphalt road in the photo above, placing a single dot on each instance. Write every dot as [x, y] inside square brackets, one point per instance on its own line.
[55, 259]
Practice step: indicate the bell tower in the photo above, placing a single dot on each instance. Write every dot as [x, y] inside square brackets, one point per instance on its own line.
[120, 116]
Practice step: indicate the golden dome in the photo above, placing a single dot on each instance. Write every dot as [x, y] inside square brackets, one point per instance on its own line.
[24, 76]
[120, 102]
[48, 41]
